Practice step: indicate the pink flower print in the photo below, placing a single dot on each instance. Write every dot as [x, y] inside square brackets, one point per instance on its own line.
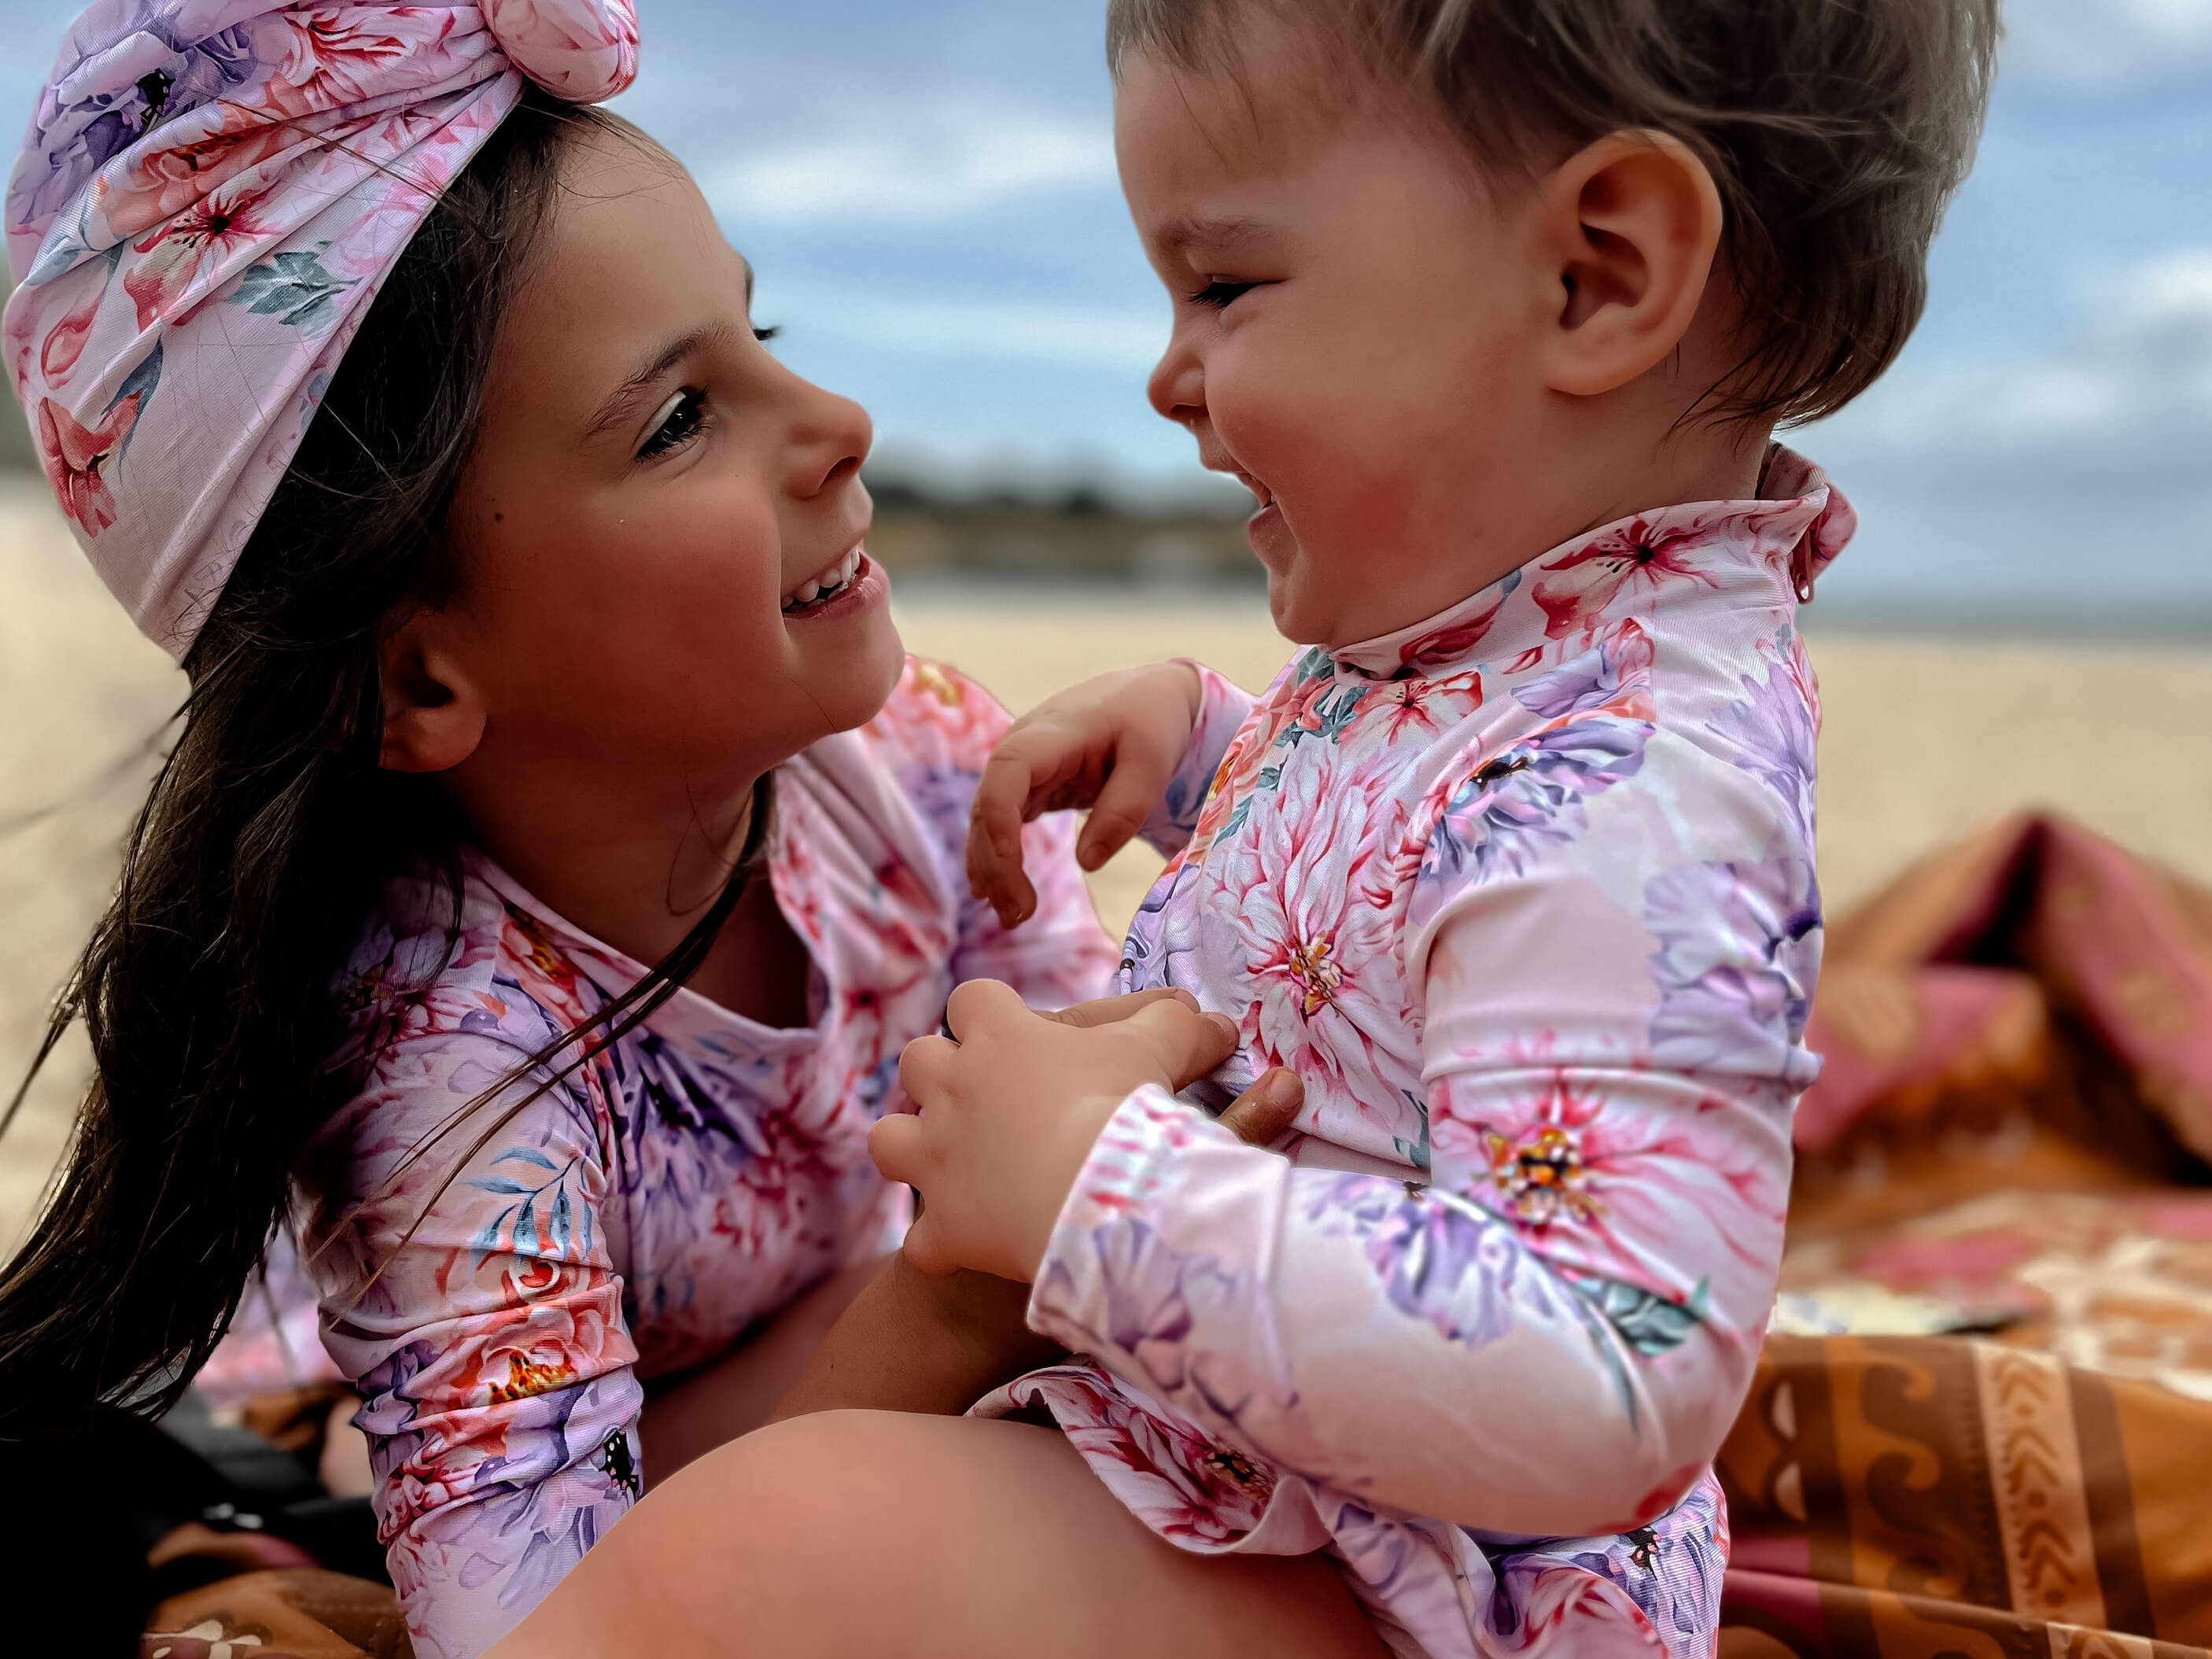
[1456, 639]
[1605, 1188]
[158, 186]
[1422, 705]
[1645, 553]
[338, 57]
[222, 224]
[1318, 976]
[76, 459]
[64, 342]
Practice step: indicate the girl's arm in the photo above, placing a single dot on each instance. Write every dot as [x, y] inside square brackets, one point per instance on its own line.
[487, 1342]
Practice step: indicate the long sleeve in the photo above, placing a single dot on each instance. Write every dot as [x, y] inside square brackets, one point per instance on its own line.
[1550, 1334]
[1223, 710]
[489, 1341]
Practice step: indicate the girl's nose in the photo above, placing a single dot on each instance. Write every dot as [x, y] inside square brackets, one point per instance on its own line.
[831, 438]
[1177, 387]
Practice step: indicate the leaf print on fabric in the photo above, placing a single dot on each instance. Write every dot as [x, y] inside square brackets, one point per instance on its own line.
[1648, 1323]
[294, 288]
[1738, 954]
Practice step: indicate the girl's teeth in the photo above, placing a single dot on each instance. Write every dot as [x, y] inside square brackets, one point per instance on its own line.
[845, 570]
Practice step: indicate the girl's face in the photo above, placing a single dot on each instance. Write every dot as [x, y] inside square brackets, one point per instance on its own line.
[665, 586]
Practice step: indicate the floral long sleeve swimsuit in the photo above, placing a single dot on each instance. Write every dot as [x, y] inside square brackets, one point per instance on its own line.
[1525, 894]
[690, 1180]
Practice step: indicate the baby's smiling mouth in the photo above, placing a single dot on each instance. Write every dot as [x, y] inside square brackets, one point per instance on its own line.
[826, 584]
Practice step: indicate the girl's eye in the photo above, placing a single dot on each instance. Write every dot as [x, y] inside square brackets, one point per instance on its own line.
[681, 419]
[1222, 295]
[764, 335]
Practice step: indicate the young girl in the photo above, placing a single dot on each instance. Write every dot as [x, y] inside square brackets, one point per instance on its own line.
[531, 640]
[1514, 868]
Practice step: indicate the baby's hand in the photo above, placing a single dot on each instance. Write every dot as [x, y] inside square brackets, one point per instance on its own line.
[1011, 1103]
[1110, 744]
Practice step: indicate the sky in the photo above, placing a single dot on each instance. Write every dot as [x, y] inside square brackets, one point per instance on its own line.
[927, 189]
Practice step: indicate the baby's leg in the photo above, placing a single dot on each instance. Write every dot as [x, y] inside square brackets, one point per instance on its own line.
[878, 1536]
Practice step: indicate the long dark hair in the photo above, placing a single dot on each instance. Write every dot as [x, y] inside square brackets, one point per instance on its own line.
[206, 987]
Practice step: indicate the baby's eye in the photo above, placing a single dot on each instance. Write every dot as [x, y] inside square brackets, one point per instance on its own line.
[681, 419]
[1222, 295]
[764, 335]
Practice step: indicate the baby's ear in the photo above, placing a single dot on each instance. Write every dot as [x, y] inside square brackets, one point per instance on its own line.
[433, 718]
[1630, 224]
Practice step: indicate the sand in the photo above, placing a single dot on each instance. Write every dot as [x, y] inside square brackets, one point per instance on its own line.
[1926, 737]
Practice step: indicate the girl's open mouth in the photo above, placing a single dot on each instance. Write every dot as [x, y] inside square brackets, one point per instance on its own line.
[818, 591]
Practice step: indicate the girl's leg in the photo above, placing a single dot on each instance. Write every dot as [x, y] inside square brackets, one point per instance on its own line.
[879, 1535]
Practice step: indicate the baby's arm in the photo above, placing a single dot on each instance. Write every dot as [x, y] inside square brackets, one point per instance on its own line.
[1137, 748]
[1552, 1336]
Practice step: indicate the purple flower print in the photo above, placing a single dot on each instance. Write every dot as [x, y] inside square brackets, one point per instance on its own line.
[1740, 950]
[1440, 1259]
[1773, 726]
[172, 73]
[1529, 798]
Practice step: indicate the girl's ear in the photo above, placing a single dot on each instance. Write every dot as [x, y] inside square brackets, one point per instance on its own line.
[433, 718]
[1630, 226]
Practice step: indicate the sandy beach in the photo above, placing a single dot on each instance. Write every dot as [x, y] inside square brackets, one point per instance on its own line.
[1926, 737]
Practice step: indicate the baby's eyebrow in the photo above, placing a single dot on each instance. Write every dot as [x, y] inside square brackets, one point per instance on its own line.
[1181, 234]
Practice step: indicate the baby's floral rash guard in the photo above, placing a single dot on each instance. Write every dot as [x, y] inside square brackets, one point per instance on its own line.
[1525, 893]
[690, 1180]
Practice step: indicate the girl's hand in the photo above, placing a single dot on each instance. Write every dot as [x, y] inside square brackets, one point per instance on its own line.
[1110, 744]
[1012, 1101]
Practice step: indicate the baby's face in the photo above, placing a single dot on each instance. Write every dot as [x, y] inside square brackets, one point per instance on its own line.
[1357, 323]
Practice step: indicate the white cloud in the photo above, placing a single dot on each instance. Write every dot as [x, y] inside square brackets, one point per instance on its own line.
[2137, 365]
[928, 163]
[2106, 45]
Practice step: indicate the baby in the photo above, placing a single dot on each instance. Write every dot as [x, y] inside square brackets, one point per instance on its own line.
[1495, 306]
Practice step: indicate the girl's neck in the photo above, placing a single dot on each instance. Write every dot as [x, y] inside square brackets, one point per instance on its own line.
[638, 880]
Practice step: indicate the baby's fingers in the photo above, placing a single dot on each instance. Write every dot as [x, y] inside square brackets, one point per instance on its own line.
[1132, 788]
[1263, 1111]
[994, 833]
[899, 1145]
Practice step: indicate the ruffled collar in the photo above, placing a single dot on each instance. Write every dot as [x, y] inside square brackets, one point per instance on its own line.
[1787, 537]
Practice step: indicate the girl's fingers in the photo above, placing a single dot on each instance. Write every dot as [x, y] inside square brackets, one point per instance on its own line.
[1111, 1011]
[1184, 1043]
[1263, 1111]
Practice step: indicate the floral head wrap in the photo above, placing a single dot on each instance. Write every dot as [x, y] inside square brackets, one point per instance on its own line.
[210, 196]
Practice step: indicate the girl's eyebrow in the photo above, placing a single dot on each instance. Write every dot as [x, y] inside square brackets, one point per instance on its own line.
[624, 399]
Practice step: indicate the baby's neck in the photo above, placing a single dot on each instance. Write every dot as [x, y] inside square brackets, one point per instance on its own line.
[1597, 477]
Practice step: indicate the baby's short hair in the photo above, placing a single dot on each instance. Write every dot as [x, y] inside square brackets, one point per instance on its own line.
[1835, 129]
